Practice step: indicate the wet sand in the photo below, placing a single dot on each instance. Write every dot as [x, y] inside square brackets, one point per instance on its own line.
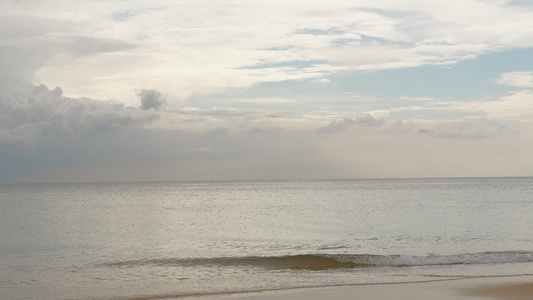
[495, 288]
[521, 291]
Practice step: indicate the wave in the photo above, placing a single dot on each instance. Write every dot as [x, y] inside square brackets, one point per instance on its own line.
[334, 261]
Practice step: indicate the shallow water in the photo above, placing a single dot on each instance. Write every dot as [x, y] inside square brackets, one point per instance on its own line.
[179, 238]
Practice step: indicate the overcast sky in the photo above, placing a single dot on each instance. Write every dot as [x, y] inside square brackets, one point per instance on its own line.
[213, 90]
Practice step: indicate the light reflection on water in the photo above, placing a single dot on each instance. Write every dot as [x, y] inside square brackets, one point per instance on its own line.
[75, 240]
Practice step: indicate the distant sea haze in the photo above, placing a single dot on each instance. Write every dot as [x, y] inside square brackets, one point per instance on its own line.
[170, 239]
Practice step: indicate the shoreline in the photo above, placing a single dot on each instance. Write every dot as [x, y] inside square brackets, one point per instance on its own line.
[510, 287]
[516, 287]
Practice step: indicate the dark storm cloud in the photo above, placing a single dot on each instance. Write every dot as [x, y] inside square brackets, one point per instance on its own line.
[151, 99]
[27, 116]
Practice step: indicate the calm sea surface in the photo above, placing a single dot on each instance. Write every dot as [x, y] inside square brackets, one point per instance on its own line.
[170, 239]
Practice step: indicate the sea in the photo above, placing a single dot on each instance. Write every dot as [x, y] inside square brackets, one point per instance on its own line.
[151, 240]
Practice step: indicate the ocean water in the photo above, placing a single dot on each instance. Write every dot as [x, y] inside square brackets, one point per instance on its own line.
[175, 239]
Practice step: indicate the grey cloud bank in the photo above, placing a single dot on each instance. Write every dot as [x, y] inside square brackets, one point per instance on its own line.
[31, 115]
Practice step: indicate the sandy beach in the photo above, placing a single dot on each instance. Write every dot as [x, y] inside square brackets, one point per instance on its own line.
[508, 288]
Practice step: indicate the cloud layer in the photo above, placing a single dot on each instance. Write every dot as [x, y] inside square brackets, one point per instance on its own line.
[192, 90]
[201, 47]
[28, 117]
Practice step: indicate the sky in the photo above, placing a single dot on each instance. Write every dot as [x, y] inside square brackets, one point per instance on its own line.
[167, 90]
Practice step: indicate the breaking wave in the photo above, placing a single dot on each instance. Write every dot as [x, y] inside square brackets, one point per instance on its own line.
[334, 261]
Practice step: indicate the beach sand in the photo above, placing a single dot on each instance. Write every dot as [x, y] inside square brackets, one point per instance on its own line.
[495, 288]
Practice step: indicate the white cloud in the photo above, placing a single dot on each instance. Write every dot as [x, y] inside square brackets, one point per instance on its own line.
[379, 114]
[266, 100]
[516, 79]
[516, 107]
[415, 99]
[200, 47]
